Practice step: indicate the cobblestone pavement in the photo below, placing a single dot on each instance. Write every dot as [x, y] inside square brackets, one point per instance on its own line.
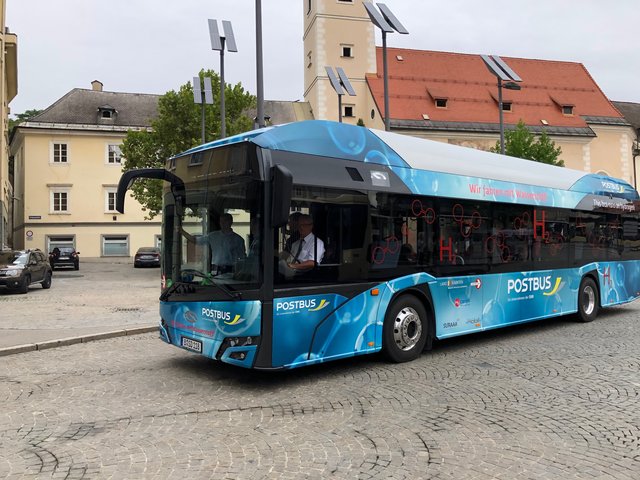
[97, 298]
[554, 399]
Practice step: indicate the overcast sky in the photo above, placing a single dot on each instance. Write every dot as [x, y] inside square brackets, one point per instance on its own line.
[152, 46]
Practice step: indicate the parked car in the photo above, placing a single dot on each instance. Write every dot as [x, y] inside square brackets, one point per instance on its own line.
[147, 257]
[21, 268]
[64, 257]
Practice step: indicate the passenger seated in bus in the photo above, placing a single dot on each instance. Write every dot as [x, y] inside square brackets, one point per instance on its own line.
[306, 252]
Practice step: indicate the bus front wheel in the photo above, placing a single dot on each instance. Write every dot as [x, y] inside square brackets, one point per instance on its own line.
[588, 300]
[405, 329]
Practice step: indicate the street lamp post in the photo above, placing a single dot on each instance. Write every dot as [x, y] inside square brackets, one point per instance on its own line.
[387, 23]
[508, 86]
[218, 42]
[259, 66]
[503, 73]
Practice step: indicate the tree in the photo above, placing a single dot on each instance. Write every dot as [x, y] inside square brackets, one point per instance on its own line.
[23, 117]
[177, 128]
[521, 143]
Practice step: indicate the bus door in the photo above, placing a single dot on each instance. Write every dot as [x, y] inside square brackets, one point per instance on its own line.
[461, 261]
[322, 311]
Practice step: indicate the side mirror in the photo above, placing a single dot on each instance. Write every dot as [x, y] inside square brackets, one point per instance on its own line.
[127, 179]
[282, 187]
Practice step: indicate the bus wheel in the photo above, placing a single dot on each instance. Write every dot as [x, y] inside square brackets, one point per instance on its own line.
[405, 329]
[588, 300]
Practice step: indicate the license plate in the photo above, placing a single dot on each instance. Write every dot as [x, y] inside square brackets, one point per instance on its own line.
[64, 258]
[191, 344]
[146, 257]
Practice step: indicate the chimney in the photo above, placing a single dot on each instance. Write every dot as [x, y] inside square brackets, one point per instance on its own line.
[96, 86]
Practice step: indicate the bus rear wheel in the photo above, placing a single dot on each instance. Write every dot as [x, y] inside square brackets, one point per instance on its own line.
[588, 300]
[405, 329]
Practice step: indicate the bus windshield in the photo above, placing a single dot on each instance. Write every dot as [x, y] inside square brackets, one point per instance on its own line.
[212, 239]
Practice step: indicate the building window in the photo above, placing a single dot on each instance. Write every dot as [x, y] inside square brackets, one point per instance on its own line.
[348, 111]
[441, 103]
[567, 109]
[347, 51]
[114, 155]
[110, 200]
[115, 246]
[60, 153]
[59, 201]
[506, 106]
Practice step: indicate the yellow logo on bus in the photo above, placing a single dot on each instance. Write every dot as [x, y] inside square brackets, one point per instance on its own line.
[323, 303]
[555, 288]
[235, 320]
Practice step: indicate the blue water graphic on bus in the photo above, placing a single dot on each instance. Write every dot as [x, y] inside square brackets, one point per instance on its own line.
[330, 139]
[210, 322]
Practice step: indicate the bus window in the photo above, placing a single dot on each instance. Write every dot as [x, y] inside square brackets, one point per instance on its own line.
[340, 221]
[463, 237]
[510, 244]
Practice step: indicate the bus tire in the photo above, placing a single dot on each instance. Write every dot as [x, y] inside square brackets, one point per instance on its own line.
[588, 300]
[405, 329]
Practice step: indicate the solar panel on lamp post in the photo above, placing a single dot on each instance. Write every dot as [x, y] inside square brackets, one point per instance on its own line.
[340, 83]
[203, 96]
[387, 23]
[503, 72]
[218, 42]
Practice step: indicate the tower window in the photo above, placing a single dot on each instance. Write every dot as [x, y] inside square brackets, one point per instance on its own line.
[348, 111]
[441, 103]
[347, 51]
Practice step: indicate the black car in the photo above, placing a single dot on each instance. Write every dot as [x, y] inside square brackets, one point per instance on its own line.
[147, 257]
[21, 268]
[64, 257]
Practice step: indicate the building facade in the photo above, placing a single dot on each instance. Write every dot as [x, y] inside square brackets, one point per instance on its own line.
[68, 164]
[453, 98]
[8, 90]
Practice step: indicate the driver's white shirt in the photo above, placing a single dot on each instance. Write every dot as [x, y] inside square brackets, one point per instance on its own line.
[308, 250]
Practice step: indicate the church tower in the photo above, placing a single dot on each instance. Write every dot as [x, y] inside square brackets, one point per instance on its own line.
[338, 33]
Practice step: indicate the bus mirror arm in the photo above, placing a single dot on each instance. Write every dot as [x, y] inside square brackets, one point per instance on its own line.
[281, 189]
[127, 179]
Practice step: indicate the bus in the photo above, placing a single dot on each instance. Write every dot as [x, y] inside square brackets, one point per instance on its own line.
[413, 240]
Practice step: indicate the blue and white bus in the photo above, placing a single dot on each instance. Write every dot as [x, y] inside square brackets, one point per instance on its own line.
[421, 240]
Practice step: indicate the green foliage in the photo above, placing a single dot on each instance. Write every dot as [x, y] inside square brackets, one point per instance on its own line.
[360, 122]
[23, 117]
[521, 143]
[178, 128]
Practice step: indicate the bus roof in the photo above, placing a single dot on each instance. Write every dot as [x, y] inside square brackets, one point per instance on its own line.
[349, 142]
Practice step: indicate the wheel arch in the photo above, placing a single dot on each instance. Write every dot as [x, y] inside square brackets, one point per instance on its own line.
[593, 275]
[423, 294]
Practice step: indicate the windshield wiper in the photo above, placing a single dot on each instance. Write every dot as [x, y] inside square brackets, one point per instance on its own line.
[233, 294]
[179, 287]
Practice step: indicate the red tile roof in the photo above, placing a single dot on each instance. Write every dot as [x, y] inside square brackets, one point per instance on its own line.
[471, 90]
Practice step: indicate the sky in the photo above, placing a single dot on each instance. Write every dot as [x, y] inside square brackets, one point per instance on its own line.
[153, 46]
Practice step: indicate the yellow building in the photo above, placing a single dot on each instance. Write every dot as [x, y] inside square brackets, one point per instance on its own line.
[68, 163]
[452, 97]
[8, 90]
